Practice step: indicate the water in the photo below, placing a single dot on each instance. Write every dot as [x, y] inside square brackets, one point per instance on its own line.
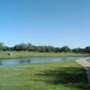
[36, 60]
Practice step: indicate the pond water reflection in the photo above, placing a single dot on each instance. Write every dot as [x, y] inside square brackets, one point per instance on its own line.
[36, 60]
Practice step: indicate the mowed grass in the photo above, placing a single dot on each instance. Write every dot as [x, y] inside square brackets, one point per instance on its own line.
[44, 76]
[88, 60]
[19, 54]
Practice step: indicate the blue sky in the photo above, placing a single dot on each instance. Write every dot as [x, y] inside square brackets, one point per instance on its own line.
[45, 22]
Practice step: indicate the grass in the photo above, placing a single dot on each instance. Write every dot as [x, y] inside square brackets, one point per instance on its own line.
[88, 60]
[19, 54]
[44, 76]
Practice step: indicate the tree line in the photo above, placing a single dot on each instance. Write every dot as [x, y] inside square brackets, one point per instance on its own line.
[33, 48]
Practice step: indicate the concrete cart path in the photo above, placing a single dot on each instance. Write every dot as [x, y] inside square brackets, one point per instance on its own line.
[86, 65]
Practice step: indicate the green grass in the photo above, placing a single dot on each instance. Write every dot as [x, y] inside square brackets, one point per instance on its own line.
[18, 54]
[44, 76]
[88, 60]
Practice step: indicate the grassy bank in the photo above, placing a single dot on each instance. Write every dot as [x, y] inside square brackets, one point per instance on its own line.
[18, 54]
[88, 60]
[44, 76]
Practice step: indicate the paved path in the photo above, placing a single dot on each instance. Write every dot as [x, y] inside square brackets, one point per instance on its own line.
[86, 65]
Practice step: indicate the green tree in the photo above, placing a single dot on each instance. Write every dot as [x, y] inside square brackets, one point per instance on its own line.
[87, 49]
[2, 46]
[65, 49]
[22, 47]
[77, 50]
[57, 49]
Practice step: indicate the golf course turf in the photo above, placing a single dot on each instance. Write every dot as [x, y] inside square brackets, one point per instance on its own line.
[44, 76]
[88, 60]
[20, 54]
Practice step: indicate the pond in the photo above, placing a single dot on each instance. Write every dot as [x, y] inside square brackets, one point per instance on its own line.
[36, 60]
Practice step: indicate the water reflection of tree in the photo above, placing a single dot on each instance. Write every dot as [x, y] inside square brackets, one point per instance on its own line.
[24, 61]
[0, 62]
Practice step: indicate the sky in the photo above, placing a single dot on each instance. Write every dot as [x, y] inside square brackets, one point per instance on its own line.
[45, 22]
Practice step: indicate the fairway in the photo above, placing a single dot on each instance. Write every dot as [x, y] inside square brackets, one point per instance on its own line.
[44, 76]
[20, 54]
[88, 60]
